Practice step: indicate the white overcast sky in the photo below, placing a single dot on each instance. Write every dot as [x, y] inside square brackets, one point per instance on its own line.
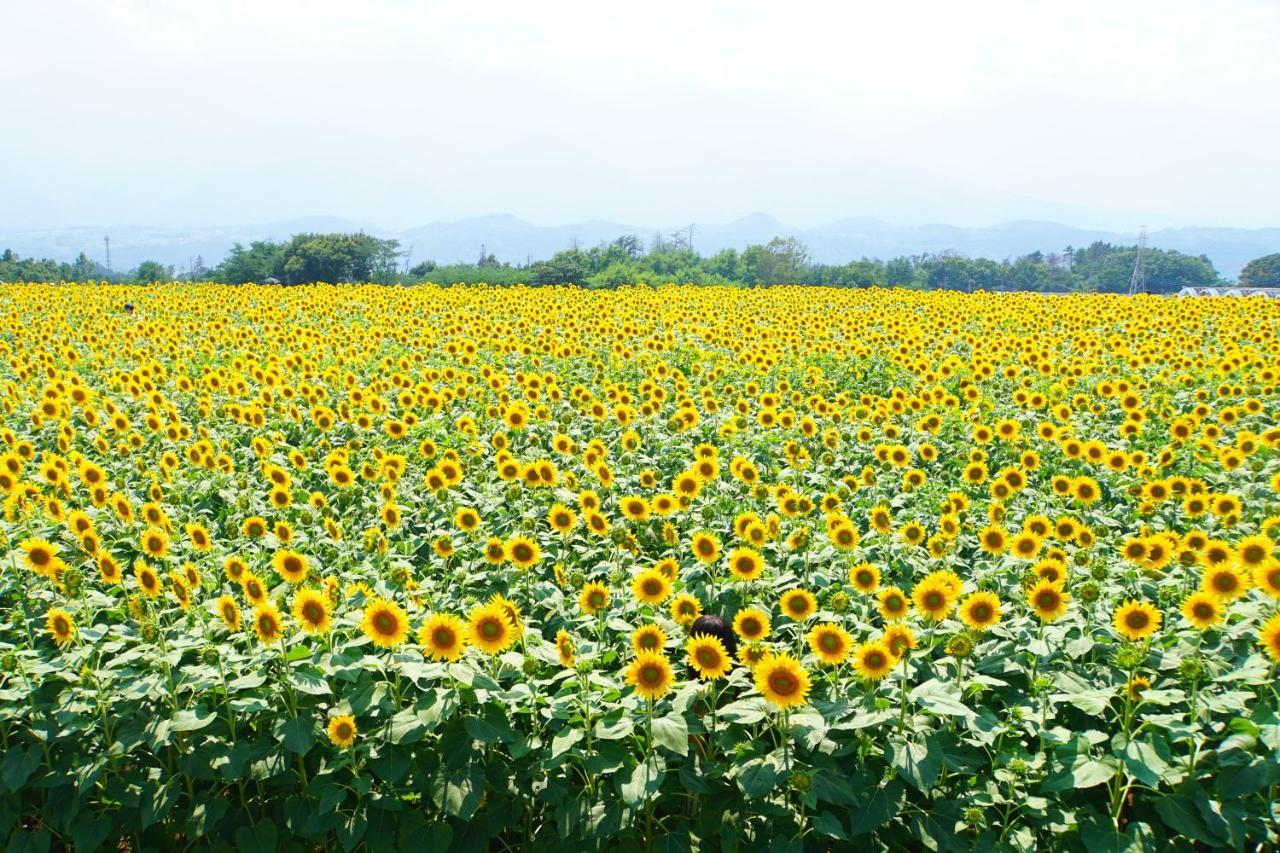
[198, 112]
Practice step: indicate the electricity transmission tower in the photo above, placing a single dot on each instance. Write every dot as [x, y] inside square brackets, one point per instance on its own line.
[106, 241]
[1138, 283]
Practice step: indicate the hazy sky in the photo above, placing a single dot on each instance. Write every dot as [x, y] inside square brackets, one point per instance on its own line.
[1106, 114]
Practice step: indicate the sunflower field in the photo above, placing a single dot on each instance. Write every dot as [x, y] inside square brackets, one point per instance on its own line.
[359, 567]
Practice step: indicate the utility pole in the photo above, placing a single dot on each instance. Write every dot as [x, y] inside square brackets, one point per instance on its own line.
[106, 241]
[690, 236]
[1138, 283]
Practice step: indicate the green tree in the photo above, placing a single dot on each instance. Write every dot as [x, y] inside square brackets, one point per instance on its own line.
[151, 271]
[1262, 272]
[783, 260]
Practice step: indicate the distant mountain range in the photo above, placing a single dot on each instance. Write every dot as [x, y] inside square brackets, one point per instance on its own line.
[515, 241]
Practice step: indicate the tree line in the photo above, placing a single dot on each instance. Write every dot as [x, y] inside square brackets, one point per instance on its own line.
[1099, 267]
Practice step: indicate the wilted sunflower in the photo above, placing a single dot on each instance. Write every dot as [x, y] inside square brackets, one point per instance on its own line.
[782, 681]
[442, 637]
[385, 623]
[650, 674]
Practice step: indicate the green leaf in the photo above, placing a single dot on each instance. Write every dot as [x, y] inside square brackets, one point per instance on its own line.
[191, 721]
[156, 800]
[940, 698]
[458, 792]
[642, 782]
[1084, 773]
[614, 726]
[259, 838]
[759, 776]
[917, 763]
[878, 809]
[407, 727]
[18, 765]
[564, 739]
[297, 734]
[672, 732]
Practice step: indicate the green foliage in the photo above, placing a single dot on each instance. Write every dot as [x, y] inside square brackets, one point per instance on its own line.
[1262, 272]
[13, 267]
[151, 271]
[312, 257]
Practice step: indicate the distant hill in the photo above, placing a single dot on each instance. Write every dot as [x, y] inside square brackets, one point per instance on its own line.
[514, 240]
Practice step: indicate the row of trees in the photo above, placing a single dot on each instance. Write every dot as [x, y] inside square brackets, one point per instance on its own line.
[1100, 267]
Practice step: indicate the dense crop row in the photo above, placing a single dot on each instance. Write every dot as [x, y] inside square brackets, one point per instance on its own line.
[417, 567]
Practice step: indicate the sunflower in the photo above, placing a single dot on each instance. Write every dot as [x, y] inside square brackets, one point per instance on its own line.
[562, 519]
[1136, 686]
[829, 642]
[267, 623]
[745, 563]
[511, 609]
[253, 588]
[290, 565]
[311, 610]
[1225, 581]
[933, 598]
[782, 681]
[594, 598]
[523, 552]
[685, 608]
[495, 552]
[442, 636]
[148, 580]
[650, 673]
[1269, 637]
[385, 623]
[708, 657]
[41, 556]
[980, 610]
[892, 604]
[154, 542]
[1266, 577]
[1048, 600]
[109, 570]
[899, 639]
[565, 648]
[865, 577]
[798, 604]
[62, 628]
[873, 660]
[198, 535]
[229, 611]
[466, 519]
[1136, 620]
[648, 638]
[751, 624]
[1202, 610]
[491, 630]
[705, 546]
[342, 731]
[650, 587]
